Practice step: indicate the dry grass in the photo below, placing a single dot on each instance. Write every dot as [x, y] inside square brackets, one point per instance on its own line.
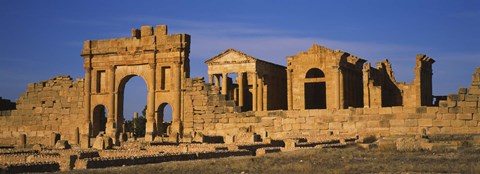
[348, 160]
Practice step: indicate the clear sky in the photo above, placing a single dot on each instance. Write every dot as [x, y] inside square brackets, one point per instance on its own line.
[42, 39]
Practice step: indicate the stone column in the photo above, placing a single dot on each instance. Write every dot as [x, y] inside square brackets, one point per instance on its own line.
[217, 80]
[176, 107]
[110, 127]
[224, 83]
[289, 90]
[150, 126]
[260, 94]
[210, 78]
[337, 88]
[240, 89]
[254, 92]
[85, 140]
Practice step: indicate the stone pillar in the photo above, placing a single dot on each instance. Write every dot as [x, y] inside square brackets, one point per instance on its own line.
[111, 127]
[254, 92]
[150, 126]
[224, 83]
[264, 94]
[240, 89]
[135, 117]
[260, 94]
[23, 140]
[176, 107]
[85, 142]
[210, 78]
[289, 90]
[77, 136]
[217, 80]
[341, 89]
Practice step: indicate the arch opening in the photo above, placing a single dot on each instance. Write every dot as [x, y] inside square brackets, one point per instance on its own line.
[315, 90]
[99, 120]
[315, 73]
[132, 97]
[164, 119]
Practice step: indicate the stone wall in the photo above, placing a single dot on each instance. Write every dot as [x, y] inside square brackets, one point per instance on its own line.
[48, 106]
[381, 89]
[157, 158]
[458, 115]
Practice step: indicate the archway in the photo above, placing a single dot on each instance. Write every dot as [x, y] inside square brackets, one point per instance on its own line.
[315, 89]
[164, 119]
[99, 120]
[132, 97]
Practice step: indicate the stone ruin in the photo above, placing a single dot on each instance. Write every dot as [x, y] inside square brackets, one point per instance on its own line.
[321, 98]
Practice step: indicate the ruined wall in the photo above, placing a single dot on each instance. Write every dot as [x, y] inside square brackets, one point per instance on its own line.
[382, 90]
[460, 114]
[380, 86]
[201, 102]
[419, 92]
[48, 106]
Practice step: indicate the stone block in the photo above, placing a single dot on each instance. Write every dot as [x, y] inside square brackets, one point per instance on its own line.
[468, 104]
[453, 97]
[360, 125]
[464, 116]
[443, 103]
[470, 110]
[411, 122]
[448, 116]
[462, 90]
[455, 110]
[397, 123]
[420, 110]
[288, 120]
[458, 123]
[373, 124]
[385, 110]
[425, 122]
[296, 126]
[441, 123]
[451, 103]
[443, 110]
[386, 144]
[472, 123]
[471, 97]
[300, 120]
[474, 90]
[408, 144]
[323, 126]
[335, 126]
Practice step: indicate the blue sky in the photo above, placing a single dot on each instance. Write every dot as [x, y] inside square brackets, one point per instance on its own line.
[42, 39]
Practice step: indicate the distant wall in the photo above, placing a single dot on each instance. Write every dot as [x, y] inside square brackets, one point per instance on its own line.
[6, 105]
[459, 114]
[54, 105]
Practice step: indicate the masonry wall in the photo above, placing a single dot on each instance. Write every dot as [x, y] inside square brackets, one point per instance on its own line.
[48, 106]
[459, 114]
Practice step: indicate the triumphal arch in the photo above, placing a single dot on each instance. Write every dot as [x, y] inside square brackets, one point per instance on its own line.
[152, 54]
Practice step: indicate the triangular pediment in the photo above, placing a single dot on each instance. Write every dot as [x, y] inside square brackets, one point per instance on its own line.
[231, 56]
